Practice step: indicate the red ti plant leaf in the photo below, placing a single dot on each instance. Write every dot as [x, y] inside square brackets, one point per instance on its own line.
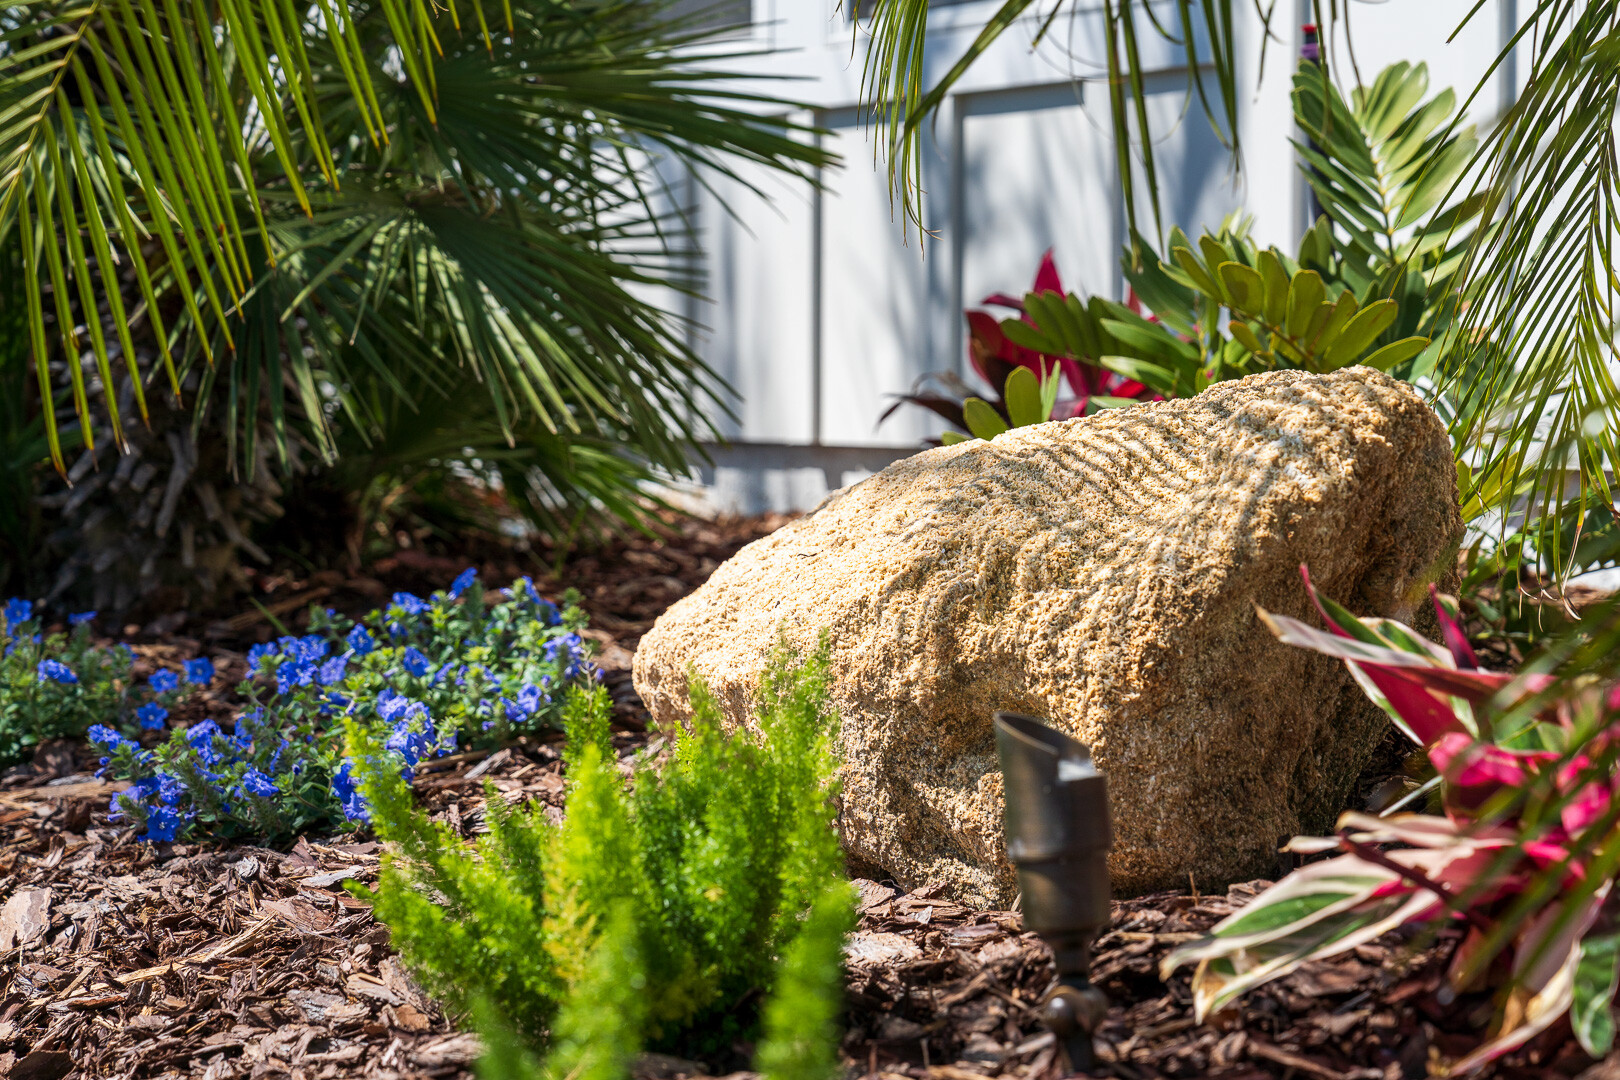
[991, 354]
[1046, 276]
[1525, 856]
[1456, 640]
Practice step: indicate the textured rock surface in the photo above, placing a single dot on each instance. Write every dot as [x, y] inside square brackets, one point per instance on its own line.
[1100, 573]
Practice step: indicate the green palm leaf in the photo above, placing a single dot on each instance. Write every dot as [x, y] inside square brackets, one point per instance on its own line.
[1533, 367]
[894, 86]
[392, 193]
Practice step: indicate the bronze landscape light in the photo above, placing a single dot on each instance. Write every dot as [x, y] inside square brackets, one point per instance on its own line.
[1058, 836]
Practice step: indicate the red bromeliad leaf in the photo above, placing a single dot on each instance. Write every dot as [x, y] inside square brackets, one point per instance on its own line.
[1415, 668]
[1086, 379]
[991, 354]
[1594, 791]
[1001, 299]
[1476, 772]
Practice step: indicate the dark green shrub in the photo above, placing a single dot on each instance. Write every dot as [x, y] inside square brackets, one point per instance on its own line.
[670, 917]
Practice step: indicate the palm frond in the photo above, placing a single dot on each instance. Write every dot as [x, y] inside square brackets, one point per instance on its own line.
[108, 115]
[893, 79]
[1533, 368]
[368, 156]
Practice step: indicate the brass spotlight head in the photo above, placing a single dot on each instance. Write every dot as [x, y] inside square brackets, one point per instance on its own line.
[1058, 836]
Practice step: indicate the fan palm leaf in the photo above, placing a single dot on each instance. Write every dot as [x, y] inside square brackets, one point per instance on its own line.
[383, 171]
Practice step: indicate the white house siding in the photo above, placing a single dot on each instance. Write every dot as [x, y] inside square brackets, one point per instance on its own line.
[822, 308]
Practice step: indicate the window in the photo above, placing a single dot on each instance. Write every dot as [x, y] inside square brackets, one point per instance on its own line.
[712, 14]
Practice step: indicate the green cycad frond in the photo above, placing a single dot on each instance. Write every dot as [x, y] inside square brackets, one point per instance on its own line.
[1381, 164]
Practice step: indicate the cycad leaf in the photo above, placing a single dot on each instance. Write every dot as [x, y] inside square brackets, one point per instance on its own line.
[1022, 396]
[1245, 288]
[1396, 352]
[982, 420]
[1359, 333]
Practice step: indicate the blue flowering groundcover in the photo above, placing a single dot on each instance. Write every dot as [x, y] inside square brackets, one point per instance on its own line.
[465, 668]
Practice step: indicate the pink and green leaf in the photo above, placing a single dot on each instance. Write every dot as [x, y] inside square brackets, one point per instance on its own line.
[1445, 610]
[1597, 976]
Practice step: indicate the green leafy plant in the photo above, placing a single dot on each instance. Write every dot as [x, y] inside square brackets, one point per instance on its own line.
[1373, 282]
[1383, 163]
[409, 197]
[57, 685]
[1529, 399]
[1281, 315]
[464, 668]
[1525, 855]
[651, 918]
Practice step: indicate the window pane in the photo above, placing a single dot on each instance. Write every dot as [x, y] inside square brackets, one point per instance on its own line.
[713, 14]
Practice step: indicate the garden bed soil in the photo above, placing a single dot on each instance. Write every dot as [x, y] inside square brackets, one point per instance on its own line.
[224, 960]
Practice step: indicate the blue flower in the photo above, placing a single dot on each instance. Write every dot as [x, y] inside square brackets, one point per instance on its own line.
[81, 618]
[294, 673]
[201, 737]
[255, 782]
[548, 611]
[168, 790]
[410, 603]
[348, 795]
[151, 715]
[200, 672]
[313, 647]
[56, 671]
[463, 581]
[530, 698]
[258, 654]
[414, 662]
[410, 745]
[331, 671]
[163, 681]
[360, 641]
[392, 705]
[162, 824]
[18, 611]
[523, 586]
[106, 738]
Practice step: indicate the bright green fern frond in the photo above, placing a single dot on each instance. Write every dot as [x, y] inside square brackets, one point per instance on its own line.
[600, 1030]
[801, 1018]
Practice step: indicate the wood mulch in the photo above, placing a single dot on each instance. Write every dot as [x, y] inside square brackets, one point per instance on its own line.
[221, 960]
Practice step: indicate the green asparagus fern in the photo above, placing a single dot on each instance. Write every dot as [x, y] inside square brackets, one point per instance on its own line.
[671, 916]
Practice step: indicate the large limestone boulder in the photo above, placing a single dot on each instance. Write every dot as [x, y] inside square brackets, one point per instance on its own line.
[1101, 573]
